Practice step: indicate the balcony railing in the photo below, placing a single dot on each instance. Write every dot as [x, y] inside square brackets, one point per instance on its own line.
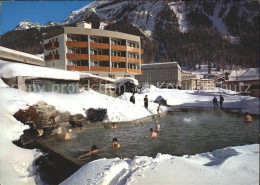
[135, 60]
[77, 56]
[52, 57]
[114, 69]
[118, 59]
[97, 68]
[118, 47]
[99, 45]
[77, 44]
[51, 45]
[100, 57]
[77, 68]
[134, 71]
[132, 49]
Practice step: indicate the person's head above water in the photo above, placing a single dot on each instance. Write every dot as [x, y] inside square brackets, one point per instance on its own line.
[69, 130]
[94, 147]
[151, 129]
[115, 140]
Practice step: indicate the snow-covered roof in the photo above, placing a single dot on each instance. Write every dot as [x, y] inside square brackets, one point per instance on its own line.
[126, 79]
[88, 75]
[161, 65]
[20, 53]
[250, 74]
[9, 70]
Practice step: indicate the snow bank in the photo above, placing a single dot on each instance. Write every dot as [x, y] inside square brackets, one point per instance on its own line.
[9, 70]
[16, 163]
[232, 165]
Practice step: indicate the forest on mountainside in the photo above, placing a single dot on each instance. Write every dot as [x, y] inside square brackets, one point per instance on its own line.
[202, 44]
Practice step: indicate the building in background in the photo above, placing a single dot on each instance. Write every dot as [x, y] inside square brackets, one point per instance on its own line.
[100, 52]
[166, 74]
[247, 83]
[198, 84]
[10, 55]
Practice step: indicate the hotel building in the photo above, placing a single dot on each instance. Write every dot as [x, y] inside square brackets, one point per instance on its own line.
[100, 52]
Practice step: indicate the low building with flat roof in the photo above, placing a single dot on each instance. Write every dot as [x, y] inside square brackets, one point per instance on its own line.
[100, 52]
[10, 55]
[198, 84]
[160, 74]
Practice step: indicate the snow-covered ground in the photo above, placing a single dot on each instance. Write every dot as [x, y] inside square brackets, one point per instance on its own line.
[232, 165]
[179, 10]
[17, 164]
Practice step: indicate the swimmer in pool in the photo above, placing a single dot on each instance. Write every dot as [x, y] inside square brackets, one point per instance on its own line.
[248, 118]
[158, 127]
[115, 143]
[153, 133]
[67, 135]
[94, 150]
[114, 126]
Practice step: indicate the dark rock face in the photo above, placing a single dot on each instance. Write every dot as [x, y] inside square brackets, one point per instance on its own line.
[29, 136]
[96, 115]
[77, 120]
[160, 100]
[38, 116]
[62, 117]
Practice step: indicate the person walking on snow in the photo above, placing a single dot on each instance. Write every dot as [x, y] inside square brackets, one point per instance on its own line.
[221, 100]
[215, 102]
[146, 102]
[132, 98]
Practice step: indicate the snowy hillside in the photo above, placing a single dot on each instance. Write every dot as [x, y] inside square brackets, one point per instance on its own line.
[27, 24]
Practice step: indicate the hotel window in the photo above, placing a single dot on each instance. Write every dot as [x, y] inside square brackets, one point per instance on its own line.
[116, 42]
[73, 38]
[116, 53]
[96, 52]
[96, 40]
[74, 50]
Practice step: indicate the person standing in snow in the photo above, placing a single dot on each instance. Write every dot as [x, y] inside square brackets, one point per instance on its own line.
[221, 100]
[215, 102]
[146, 102]
[132, 98]
[158, 111]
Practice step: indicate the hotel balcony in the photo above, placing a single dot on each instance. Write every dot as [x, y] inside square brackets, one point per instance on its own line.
[97, 68]
[51, 45]
[100, 57]
[118, 59]
[51, 57]
[77, 56]
[134, 71]
[77, 44]
[118, 47]
[99, 45]
[77, 68]
[122, 70]
[135, 60]
[134, 50]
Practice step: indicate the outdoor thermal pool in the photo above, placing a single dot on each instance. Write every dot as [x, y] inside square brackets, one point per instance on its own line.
[182, 133]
